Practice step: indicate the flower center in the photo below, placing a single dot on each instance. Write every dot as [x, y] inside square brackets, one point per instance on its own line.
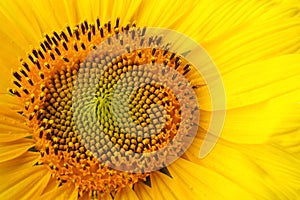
[82, 123]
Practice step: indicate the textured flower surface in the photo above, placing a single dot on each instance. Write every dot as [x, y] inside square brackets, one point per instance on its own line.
[50, 147]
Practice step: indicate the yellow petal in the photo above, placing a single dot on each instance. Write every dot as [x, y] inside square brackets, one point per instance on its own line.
[27, 160]
[225, 17]
[263, 170]
[12, 126]
[66, 191]
[161, 15]
[250, 45]
[126, 194]
[108, 10]
[143, 191]
[51, 186]
[281, 169]
[204, 183]
[10, 101]
[164, 187]
[289, 141]
[25, 184]
[161, 188]
[260, 122]
[262, 80]
[11, 150]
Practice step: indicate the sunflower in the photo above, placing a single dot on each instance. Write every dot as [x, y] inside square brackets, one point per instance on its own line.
[50, 147]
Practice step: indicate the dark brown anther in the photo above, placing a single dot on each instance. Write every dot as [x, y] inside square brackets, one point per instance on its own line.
[43, 47]
[41, 74]
[17, 84]
[35, 109]
[98, 23]
[54, 41]
[31, 58]
[165, 52]
[153, 60]
[86, 25]
[172, 56]
[186, 71]
[47, 45]
[41, 134]
[56, 35]
[62, 34]
[177, 64]
[109, 27]
[30, 81]
[37, 63]
[83, 46]
[127, 28]
[17, 76]
[89, 36]
[55, 151]
[47, 65]
[48, 39]
[25, 91]
[42, 96]
[23, 72]
[92, 27]
[32, 98]
[101, 32]
[139, 54]
[25, 65]
[47, 149]
[27, 105]
[186, 67]
[66, 59]
[121, 41]
[82, 28]
[69, 31]
[35, 53]
[31, 116]
[75, 47]
[117, 23]
[153, 51]
[42, 87]
[14, 92]
[57, 51]
[77, 34]
[52, 55]
[41, 54]
[165, 62]
[134, 24]
[65, 46]
[40, 114]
